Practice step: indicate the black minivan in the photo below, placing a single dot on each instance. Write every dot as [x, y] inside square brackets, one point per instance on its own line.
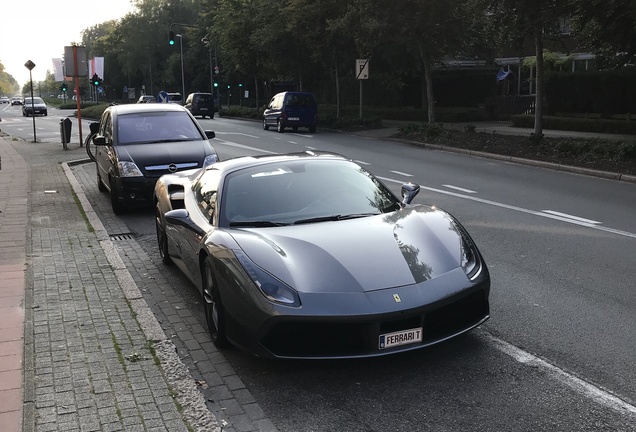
[291, 110]
[200, 104]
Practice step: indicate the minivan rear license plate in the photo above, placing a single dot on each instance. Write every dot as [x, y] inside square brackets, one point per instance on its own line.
[293, 119]
[403, 337]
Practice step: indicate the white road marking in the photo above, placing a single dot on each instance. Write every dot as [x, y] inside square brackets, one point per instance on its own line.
[460, 189]
[565, 215]
[580, 386]
[402, 173]
[237, 133]
[243, 146]
[293, 142]
[362, 162]
[522, 210]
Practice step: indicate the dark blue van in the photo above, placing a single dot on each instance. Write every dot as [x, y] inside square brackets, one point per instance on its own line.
[291, 110]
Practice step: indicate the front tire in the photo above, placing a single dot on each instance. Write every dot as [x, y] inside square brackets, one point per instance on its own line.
[265, 125]
[212, 307]
[117, 206]
[279, 126]
[100, 183]
[162, 238]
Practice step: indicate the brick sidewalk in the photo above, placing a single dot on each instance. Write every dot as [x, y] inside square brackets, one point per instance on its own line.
[14, 189]
[94, 356]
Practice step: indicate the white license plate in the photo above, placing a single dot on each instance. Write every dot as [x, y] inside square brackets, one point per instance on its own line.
[403, 337]
[293, 118]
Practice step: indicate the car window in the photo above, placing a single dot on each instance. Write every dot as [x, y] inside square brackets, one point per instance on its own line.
[205, 192]
[203, 98]
[140, 128]
[36, 100]
[294, 190]
[106, 126]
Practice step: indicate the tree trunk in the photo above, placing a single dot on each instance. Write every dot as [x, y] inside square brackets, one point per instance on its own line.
[428, 75]
[337, 88]
[538, 102]
[256, 91]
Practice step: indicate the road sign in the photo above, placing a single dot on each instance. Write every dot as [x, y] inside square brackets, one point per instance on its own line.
[362, 68]
[162, 97]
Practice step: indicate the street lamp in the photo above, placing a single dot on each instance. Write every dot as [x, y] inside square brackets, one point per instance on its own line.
[183, 95]
[207, 42]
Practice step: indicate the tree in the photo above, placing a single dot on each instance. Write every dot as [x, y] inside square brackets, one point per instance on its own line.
[435, 30]
[518, 20]
[607, 28]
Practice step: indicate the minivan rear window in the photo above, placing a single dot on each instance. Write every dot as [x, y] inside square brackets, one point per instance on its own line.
[296, 100]
[203, 98]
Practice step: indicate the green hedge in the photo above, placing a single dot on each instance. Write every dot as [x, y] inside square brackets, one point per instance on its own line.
[578, 124]
[605, 92]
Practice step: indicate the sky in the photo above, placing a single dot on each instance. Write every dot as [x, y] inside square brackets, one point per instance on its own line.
[38, 30]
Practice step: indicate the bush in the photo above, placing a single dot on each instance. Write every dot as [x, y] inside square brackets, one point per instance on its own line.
[243, 112]
[578, 124]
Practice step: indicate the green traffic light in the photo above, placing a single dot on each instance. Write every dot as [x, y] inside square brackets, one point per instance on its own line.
[216, 84]
[171, 38]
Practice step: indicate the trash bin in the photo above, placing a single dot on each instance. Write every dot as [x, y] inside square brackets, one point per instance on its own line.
[65, 131]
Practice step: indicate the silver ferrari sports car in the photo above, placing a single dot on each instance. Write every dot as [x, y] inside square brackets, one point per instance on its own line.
[308, 255]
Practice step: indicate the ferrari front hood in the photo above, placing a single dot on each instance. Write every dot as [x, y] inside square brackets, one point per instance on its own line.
[408, 246]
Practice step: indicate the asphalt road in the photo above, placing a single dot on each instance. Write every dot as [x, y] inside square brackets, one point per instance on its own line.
[559, 351]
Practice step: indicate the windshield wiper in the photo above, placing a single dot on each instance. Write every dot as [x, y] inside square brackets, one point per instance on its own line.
[257, 223]
[338, 217]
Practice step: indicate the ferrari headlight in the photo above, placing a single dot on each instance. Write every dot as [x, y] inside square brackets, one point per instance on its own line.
[210, 159]
[129, 169]
[470, 260]
[273, 289]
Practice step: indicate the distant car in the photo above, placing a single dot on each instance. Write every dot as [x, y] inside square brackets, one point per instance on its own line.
[146, 99]
[291, 110]
[16, 100]
[175, 98]
[200, 104]
[4, 99]
[308, 255]
[137, 144]
[33, 106]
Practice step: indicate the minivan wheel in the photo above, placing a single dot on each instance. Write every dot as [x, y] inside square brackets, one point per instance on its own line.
[265, 125]
[279, 126]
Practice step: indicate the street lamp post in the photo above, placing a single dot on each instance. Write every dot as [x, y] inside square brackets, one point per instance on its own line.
[183, 95]
[206, 40]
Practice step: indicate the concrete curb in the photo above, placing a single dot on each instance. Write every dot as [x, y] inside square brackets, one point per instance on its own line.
[174, 370]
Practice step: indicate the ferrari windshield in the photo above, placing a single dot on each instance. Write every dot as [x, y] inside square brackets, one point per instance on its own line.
[152, 127]
[302, 191]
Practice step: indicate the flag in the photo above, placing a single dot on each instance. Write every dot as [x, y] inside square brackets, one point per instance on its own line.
[58, 69]
[96, 66]
[502, 74]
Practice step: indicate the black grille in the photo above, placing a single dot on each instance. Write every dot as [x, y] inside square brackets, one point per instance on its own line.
[335, 337]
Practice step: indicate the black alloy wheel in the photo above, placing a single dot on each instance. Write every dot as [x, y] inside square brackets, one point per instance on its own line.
[212, 307]
[279, 126]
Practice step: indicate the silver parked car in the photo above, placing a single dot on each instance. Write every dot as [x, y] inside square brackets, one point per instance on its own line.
[33, 106]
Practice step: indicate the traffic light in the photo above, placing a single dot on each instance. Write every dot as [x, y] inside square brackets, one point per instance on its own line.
[64, 87]
[96, 81]
[216, 84]
[171, 37]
